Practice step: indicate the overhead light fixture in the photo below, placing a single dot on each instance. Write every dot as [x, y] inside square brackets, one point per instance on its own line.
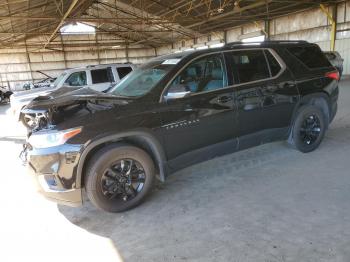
[77, 28]
[215, 43]
[175, 50]
[115, 46]
[255, 39]
[202, 47]
[257, 36]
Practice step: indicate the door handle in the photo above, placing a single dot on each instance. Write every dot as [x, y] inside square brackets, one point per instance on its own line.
[270, 88]
[289, 85]
[188, 108]
[225, 99]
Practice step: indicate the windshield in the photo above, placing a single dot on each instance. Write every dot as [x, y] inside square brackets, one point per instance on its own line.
[143, 79]
[58, 79]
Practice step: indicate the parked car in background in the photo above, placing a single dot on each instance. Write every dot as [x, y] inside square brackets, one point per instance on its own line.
[46, 82]
[5, 95]
[174, 111]
[97, 77]
[336, 60]
[28, 86]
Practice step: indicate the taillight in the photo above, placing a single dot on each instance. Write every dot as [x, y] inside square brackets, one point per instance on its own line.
[333, 75]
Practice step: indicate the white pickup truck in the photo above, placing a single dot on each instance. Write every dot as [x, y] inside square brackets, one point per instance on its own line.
[98, 77]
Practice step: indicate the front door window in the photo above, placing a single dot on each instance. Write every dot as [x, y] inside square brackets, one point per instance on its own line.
[205, 74]
[77, 79]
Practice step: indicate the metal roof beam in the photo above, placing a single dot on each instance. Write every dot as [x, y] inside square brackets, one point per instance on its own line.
[68, 12]
[233, 12]
[132, 20]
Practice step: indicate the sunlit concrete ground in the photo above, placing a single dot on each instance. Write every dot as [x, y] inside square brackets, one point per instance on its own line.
[269, 203]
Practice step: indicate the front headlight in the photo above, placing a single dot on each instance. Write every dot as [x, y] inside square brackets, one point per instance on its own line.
[51, 139]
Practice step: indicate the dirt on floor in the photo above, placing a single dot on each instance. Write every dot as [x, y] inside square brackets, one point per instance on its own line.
[269, 203]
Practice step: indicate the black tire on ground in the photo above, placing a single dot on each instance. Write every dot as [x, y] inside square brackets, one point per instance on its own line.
[308, 129]
[102, 161]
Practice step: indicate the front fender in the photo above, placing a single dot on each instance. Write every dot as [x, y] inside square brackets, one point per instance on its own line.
[146, 135]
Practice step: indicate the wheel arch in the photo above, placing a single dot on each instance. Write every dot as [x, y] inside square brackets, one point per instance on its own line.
[141, 139]
[319, 99]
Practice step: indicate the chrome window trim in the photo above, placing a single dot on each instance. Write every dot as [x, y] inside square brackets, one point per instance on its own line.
[273, 52]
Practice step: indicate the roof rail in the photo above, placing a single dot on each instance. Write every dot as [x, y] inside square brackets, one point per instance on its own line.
[268, 42]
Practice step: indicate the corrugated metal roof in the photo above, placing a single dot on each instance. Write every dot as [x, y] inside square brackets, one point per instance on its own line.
[146, 22]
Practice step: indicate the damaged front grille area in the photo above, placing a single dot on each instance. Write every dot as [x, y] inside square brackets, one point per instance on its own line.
[36, 119]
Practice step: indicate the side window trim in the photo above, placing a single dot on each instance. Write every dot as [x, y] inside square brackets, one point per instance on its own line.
[273, 52]
[268, 63]
[275, 55]
[224, 68]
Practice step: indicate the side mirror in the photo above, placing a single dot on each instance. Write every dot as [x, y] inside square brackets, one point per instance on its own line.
[177, 91]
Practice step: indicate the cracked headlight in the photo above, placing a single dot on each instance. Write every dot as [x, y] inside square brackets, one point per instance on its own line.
[51, 139]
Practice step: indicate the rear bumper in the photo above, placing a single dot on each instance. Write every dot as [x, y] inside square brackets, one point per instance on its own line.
[53, 171]
[334, 104]
[333, 112]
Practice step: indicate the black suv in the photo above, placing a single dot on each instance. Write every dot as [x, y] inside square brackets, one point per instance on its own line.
[174, 111]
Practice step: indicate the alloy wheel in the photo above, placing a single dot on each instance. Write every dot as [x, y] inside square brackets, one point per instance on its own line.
[310, 129]
[123, 180]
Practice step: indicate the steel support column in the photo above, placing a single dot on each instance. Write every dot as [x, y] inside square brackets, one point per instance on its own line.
[333, 21]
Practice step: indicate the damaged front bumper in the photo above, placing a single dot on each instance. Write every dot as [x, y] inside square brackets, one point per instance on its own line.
[54, 171]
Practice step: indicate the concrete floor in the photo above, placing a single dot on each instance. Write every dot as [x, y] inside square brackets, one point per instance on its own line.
[269, 203]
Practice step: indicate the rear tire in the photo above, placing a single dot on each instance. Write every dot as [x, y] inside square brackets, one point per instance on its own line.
[308, 129]
[108, 184]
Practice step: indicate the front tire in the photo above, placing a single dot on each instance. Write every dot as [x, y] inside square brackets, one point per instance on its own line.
[309, 128]
[119, 177]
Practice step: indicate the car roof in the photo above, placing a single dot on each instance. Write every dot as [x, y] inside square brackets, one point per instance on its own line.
[100, 66]
[232, 46]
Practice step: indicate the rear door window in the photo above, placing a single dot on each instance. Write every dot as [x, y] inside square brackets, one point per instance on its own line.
[77, 79]
[249, 66]
[123, 71]
[311, 56]
[100, 76]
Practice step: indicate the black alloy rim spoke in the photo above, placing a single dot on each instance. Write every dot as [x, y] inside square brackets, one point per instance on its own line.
[123, 180]
[310, 130]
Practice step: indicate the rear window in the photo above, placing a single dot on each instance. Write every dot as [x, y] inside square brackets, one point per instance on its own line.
[310, 56]
[102, 76]
[124, 71]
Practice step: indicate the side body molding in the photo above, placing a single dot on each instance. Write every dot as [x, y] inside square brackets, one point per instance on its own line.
[145, 136]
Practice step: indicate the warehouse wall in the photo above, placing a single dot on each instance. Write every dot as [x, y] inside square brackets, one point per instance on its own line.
[19, 64]
[312, 26]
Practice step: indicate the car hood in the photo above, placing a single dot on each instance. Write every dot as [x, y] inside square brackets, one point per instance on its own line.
[31, 94]
[67, 103]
